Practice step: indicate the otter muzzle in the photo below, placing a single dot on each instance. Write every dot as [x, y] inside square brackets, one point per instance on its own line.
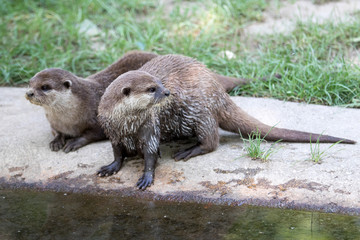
[29, 94]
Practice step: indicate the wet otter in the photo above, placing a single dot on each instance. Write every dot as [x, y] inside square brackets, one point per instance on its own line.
[71, 102]
[173, 97]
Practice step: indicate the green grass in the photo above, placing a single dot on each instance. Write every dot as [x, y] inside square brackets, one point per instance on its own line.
[316, 154]
[40, 34]
[253, 146]
[313, 60]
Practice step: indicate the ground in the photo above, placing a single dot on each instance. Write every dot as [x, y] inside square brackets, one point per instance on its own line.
[283, 19]
[226, 176]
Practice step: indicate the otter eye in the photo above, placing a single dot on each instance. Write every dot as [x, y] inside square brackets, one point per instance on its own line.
[45, 87]
[152, 89]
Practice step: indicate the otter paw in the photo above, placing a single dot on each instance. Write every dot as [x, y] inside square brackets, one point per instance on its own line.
[56, 144]
[145, 181]
[73, 145]
[185, 154]
[109, 170]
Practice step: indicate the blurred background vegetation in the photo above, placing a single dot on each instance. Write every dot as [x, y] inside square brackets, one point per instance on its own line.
[85, 36]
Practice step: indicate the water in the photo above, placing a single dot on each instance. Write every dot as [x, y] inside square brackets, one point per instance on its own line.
[46, 215]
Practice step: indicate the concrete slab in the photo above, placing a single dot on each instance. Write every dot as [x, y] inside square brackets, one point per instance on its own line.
[289, 179]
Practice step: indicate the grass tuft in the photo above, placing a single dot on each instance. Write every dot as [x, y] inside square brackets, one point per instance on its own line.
[253, 146]
[316, 154]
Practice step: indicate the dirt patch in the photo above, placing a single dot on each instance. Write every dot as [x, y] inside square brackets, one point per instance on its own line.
[220, 187]
[283, 19]
[16, 169]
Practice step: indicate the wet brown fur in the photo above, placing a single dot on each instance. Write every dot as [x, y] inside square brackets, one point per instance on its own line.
[72, 111]
[196, 107]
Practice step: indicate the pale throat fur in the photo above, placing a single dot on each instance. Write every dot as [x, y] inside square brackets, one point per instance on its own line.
[64, 112]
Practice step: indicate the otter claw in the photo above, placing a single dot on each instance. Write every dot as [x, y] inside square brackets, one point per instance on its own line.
[187, 153]
[56, 145]
[145, 181]
[110, 169]
[73, 145]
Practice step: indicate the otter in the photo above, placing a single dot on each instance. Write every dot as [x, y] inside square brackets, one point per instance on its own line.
[71, 102]
[173, 97]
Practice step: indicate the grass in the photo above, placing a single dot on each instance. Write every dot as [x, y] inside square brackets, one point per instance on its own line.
[313, 60]
[316, 154]
[254, 143]
[253, 146]
[312, 63]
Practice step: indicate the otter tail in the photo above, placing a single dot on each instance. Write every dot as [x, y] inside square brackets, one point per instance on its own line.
[234, 119]
[132, 60]
[229, 83]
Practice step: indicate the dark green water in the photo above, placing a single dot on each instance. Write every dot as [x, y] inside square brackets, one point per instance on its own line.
[46, 215]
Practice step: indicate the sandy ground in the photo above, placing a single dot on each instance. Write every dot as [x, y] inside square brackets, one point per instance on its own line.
[283, 19]
[282, 16]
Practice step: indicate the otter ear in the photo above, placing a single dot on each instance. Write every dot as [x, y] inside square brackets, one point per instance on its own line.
[67, 83]
[125, 91]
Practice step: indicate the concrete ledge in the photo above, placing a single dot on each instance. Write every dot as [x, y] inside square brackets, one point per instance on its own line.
[289, 179]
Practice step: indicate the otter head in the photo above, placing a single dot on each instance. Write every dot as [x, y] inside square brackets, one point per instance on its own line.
[133, 91]
[48, 86]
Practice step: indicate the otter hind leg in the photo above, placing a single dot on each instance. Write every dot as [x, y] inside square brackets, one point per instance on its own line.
[187, 153]
[208, 137]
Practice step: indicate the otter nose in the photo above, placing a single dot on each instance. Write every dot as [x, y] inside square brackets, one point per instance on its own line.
[30, 94]
[167, 93]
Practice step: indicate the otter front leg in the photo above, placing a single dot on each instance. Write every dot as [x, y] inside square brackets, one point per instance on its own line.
[115, 166]
[89, 136]
[58, 142]
[148, 177]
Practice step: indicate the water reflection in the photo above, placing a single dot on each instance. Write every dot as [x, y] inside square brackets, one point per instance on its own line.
[264, 223]
[46, 215]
